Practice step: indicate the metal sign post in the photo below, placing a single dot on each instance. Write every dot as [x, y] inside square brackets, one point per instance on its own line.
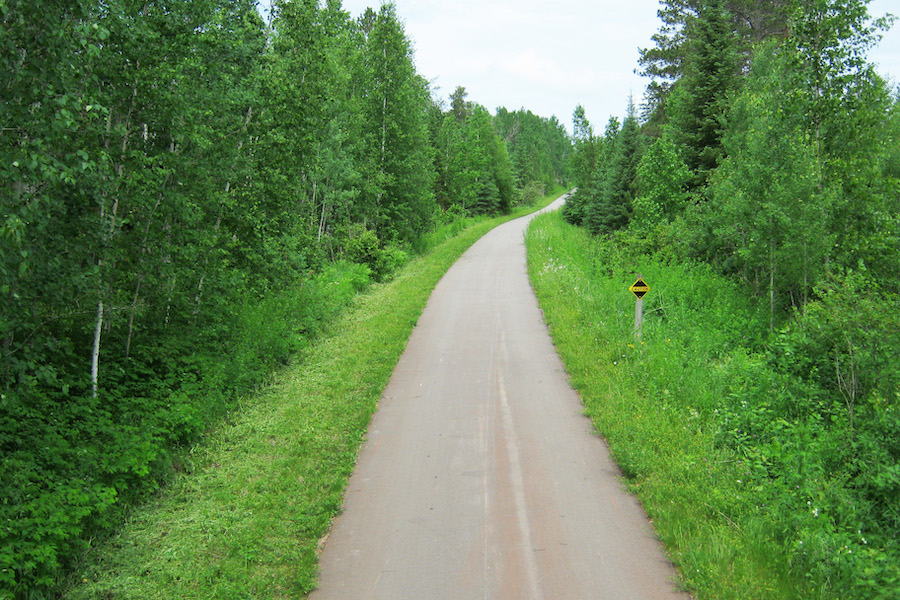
[639, 289]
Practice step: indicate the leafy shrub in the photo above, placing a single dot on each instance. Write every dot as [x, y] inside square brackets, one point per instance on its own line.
[663, 178]
[532, 192]
[365, 248]
[815, 419]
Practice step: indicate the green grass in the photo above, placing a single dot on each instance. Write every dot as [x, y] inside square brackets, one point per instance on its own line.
[245, 515]
[655, 398]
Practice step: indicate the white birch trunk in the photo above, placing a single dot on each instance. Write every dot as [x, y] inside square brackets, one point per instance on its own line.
[95, 353]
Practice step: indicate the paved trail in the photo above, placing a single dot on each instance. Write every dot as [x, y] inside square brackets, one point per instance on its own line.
[480, 477]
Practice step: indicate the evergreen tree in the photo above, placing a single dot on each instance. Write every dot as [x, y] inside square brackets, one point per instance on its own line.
[664, 63]
[459, 106]
[611, 207]
[699, 102]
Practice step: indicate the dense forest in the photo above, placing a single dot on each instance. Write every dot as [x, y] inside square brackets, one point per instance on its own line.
[767, 149]
[186, 194]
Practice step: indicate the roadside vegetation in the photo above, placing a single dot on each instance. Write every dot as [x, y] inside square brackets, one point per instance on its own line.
[763, 479]
[179, 221]
[758, 193]
[188, 195]
[244, 511]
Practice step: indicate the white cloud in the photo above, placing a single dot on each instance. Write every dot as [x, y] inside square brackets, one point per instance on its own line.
[542, 56]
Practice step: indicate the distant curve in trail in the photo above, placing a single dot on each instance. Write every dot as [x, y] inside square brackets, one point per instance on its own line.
[481, 477]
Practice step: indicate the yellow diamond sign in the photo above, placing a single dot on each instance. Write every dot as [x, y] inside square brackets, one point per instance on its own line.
[639, 288]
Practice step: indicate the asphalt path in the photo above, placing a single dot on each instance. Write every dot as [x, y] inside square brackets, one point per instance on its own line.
[480, 476]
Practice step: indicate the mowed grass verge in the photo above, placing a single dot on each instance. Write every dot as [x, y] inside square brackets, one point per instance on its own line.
[245, 516]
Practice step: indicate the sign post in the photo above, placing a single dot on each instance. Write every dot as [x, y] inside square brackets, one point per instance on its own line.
[639, 289]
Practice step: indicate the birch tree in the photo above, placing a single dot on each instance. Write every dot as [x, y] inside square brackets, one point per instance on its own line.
[395, 104]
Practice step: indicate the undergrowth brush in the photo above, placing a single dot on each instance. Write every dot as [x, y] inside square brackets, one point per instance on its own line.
[763, 479]
[71, 469]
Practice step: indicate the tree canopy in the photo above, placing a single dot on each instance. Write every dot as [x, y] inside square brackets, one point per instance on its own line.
[186, 192]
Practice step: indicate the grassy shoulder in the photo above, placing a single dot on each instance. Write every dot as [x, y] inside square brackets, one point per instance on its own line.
[655, 400]
[244, 516]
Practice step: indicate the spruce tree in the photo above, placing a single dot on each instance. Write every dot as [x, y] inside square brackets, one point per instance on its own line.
[665, 62]
[700, 100]
[611, 208]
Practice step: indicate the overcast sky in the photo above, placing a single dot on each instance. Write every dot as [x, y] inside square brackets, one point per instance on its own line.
[548, 57]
